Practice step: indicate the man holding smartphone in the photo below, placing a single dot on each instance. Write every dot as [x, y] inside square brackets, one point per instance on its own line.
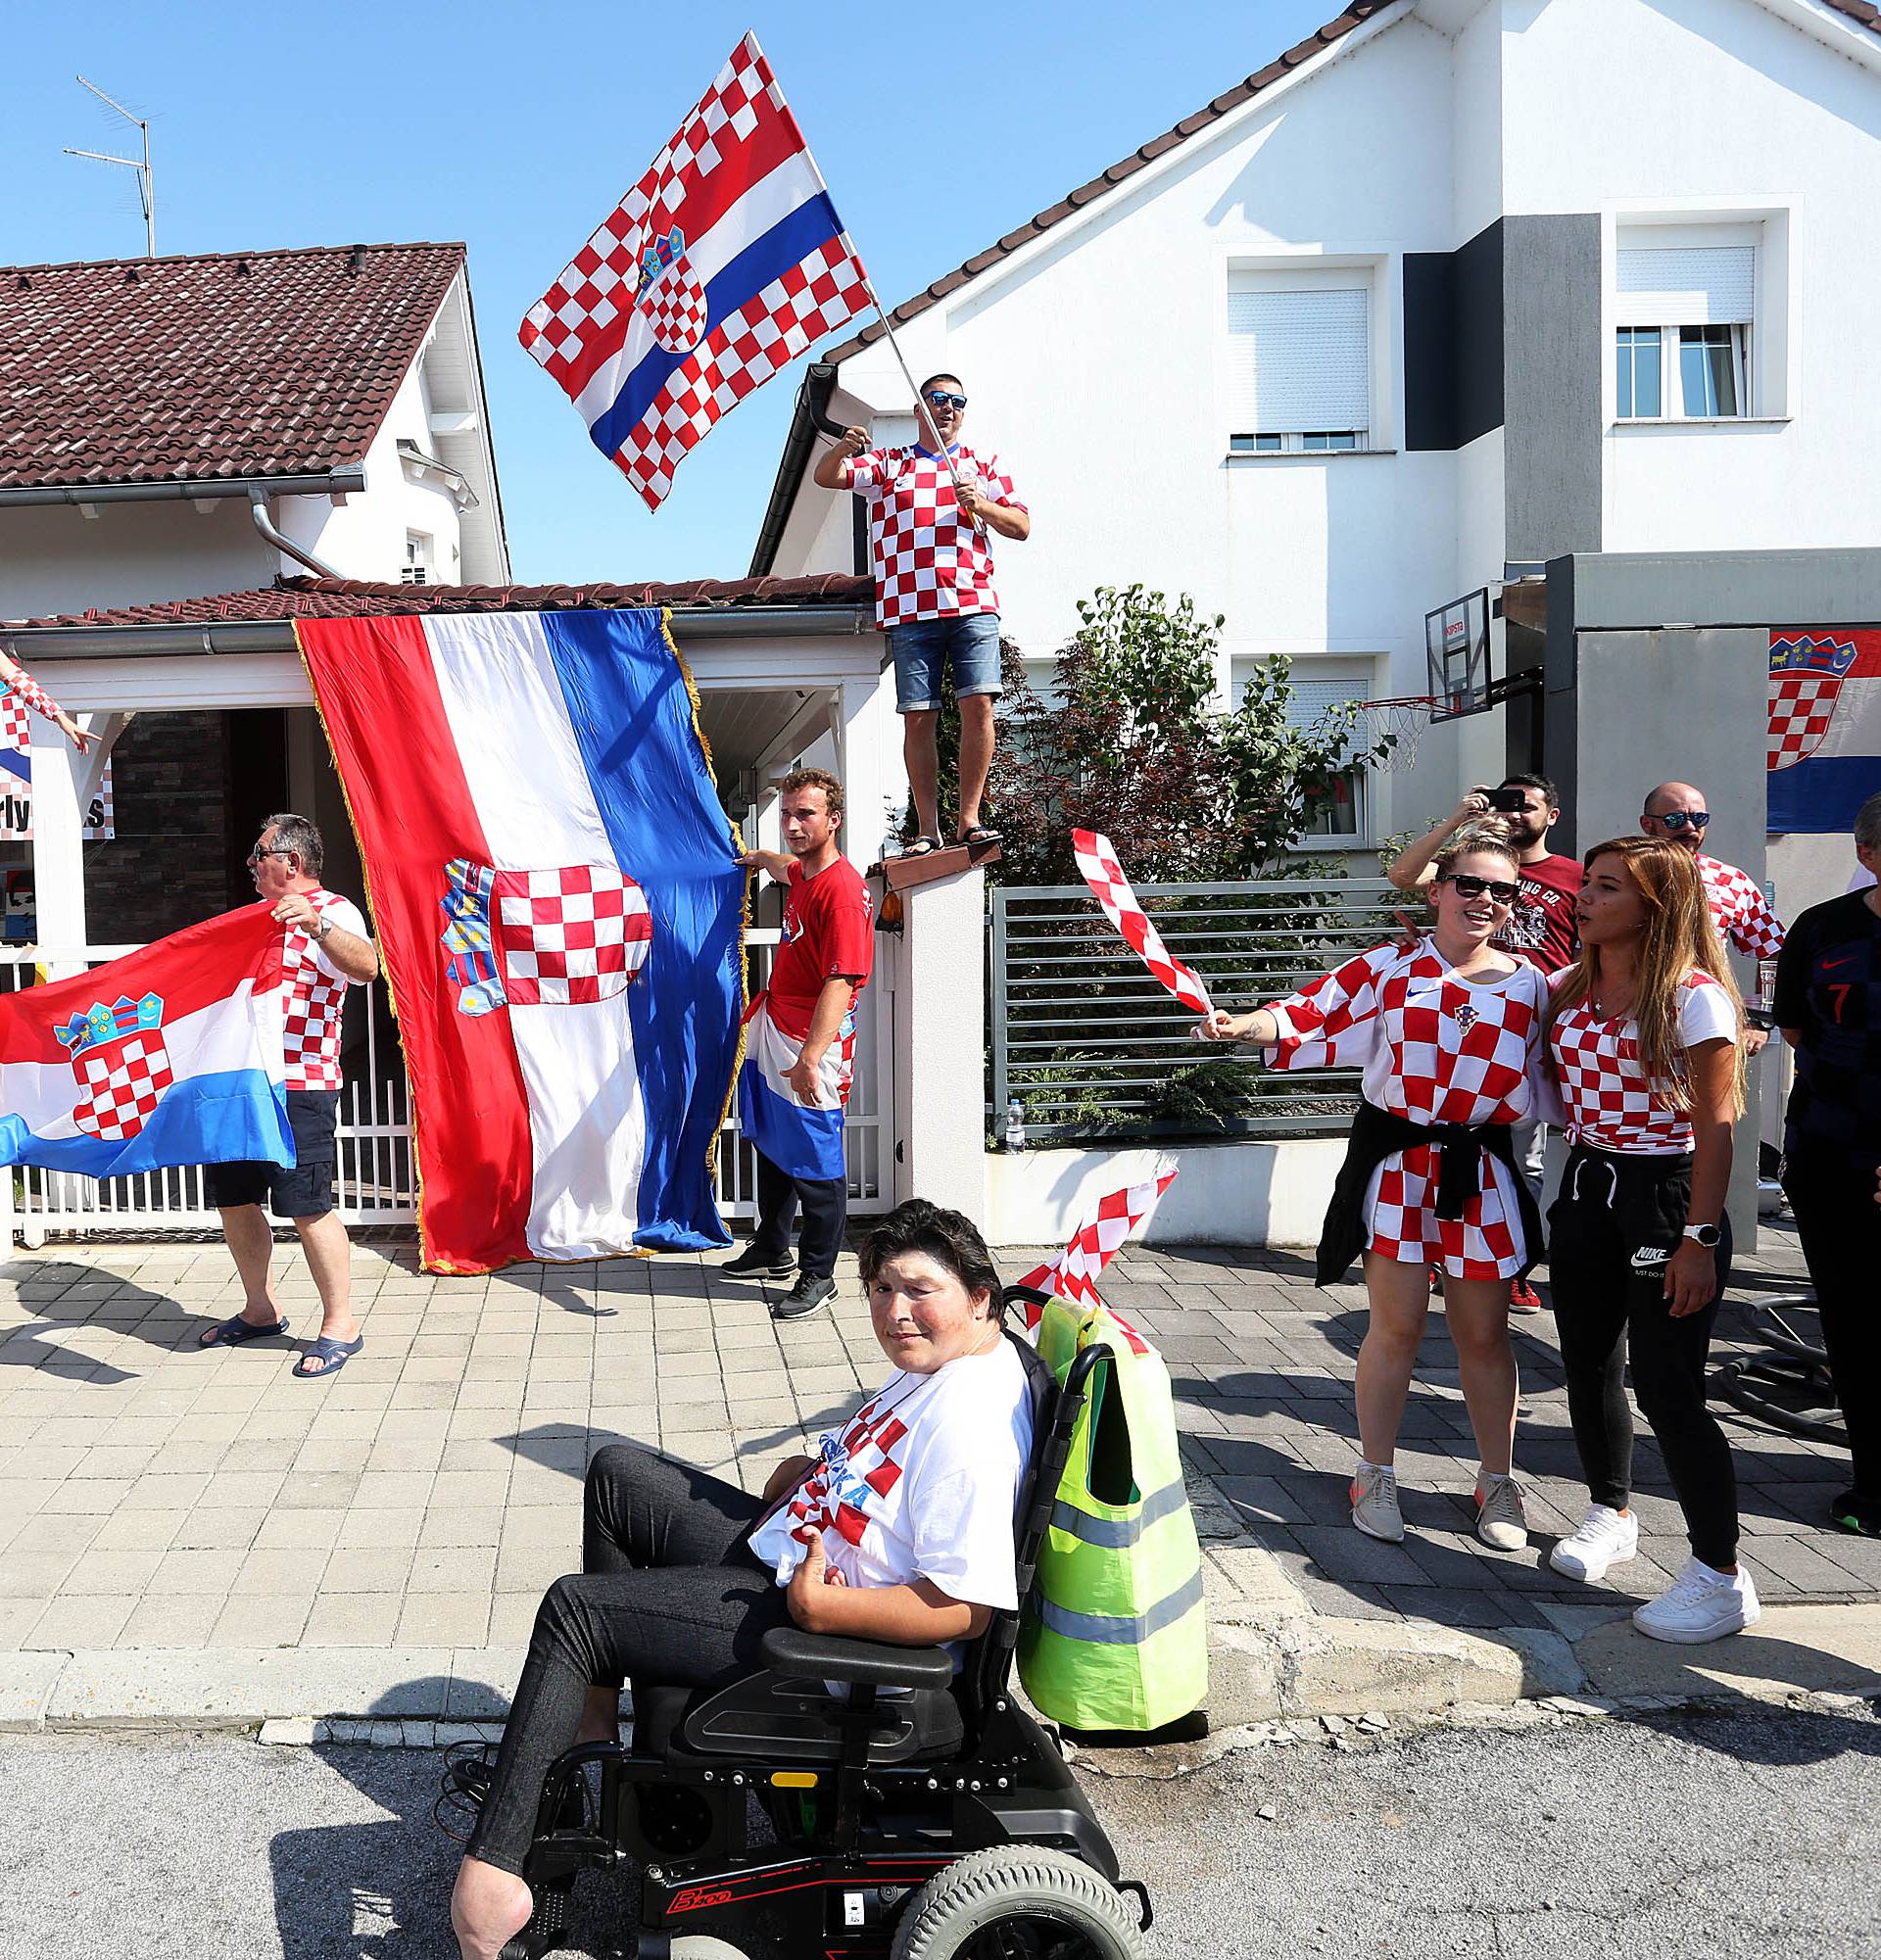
[933, 507]
[1525, 807]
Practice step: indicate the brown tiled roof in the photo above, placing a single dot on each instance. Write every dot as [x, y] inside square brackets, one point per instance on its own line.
[1210, 112]
[225, 364]
[346, 598]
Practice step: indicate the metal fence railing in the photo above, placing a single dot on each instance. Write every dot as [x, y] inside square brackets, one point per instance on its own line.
[376, 1182]
[1092, 1047]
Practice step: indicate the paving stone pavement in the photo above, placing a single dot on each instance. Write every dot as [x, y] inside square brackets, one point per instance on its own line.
[152, 1495]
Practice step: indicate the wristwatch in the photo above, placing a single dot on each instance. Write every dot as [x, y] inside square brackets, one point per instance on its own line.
[1706, 1235]
[323, 925]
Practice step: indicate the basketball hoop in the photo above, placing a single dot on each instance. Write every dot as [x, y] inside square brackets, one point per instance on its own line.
[1401, 720]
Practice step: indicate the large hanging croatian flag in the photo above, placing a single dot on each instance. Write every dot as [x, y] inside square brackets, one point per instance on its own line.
[171, 1055]
[717, 269]
[1825, 726]
[559, 909]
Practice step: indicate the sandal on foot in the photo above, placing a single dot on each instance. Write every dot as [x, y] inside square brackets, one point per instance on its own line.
[923, 846]
[331, 1354]
[980, 833]
[236, 1332]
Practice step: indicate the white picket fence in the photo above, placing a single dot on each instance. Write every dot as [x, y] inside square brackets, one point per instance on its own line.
[376, 1184]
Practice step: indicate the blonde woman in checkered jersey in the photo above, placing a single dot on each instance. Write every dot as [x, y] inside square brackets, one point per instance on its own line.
[14, 680]
[1447, 1030]
[1644, 1037]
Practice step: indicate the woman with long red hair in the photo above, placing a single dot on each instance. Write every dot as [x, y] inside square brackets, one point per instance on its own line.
[1644, 1046]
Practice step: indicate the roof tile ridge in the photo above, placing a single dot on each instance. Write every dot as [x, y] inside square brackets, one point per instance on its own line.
[250, 253]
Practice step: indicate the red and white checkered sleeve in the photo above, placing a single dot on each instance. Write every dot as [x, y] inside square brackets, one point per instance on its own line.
[1756, 930]
[865, 472]
[33, 695]
[999, 482]
[1332, 1024]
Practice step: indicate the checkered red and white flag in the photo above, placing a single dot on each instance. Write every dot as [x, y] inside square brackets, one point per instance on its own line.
[717, 269]
[1106, 879]
[1073, 1274]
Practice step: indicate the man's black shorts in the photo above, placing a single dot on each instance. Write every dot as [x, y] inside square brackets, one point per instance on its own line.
[307, 1190]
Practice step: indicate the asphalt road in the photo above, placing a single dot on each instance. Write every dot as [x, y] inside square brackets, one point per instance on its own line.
[1711, 1836]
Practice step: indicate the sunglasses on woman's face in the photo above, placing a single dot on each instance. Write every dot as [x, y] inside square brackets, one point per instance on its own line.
[1503, 892]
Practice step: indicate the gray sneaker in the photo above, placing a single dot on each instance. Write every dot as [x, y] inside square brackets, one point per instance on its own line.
[1375, 1504]
[1501, 1520]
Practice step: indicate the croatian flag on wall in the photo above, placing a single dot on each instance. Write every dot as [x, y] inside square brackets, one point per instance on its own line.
[717, 269]
[560, 911]
[171, 1055]
[1825, 726]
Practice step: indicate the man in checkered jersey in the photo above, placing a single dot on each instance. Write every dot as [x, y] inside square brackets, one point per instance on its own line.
[933, 509]
[325, 950]
[1739, 910]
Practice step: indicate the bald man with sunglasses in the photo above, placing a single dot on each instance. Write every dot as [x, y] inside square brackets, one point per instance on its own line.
[1677, 812]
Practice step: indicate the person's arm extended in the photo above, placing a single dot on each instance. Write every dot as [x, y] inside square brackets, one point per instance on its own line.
[1691, 1273]
[1410, 870]
[1005, 518]
[832, 471]
[832, 1004]
[15, 677]
[355, 957]
[1258, 1026]
[917, 1614]
[775, 862]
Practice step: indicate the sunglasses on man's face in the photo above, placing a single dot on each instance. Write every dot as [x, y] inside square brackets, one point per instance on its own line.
[257, 855]
[1677, 820]
[1468, 886]
[939, 397]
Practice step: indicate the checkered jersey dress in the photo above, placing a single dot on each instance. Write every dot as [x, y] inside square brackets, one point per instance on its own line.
[1433, 1049]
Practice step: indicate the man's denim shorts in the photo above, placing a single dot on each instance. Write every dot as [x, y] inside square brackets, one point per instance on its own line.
[921, 648]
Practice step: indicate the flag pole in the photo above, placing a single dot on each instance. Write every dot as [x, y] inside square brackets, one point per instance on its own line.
[922, 411]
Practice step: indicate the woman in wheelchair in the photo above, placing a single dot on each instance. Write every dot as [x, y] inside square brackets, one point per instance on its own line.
[900, 1530]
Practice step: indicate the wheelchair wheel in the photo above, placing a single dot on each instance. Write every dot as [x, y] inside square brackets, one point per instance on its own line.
[1017, 1903]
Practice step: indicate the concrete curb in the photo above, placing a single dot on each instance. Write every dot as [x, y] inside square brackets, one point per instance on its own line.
[1268, 1664]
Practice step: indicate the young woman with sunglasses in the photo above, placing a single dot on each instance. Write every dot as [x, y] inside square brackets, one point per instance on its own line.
[1447, 1031]
[1643, 1043]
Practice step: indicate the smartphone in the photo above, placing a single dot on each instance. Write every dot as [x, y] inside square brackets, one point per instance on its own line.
[1510, 800]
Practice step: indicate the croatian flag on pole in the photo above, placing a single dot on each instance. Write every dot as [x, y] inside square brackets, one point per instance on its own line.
[171, 1055]
[717, 269]
[560, 908]
[1825, 726]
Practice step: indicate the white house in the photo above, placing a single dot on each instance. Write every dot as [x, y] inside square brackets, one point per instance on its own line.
[1451, 289]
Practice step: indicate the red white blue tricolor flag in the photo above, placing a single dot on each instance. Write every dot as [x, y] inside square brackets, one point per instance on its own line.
[1825, 726]
[559, 909]
[722, 264]
[171, 1055]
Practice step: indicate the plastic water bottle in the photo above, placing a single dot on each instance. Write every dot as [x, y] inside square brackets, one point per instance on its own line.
[1015, 1126]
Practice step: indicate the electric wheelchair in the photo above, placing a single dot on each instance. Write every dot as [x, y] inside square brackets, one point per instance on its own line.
[923, 1815]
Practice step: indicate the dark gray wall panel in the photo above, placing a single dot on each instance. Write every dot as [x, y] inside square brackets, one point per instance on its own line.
[1551, 385]
[1453, 343]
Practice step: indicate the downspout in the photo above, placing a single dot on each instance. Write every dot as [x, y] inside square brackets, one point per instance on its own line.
[264, 524]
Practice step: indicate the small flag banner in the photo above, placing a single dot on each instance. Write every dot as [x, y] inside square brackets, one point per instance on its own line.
[1073, 1274]
[1111, 887]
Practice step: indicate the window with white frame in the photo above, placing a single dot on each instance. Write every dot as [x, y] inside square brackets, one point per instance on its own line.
[1299, 363]
[416, 569]
[1683, 318]
[1312, 699]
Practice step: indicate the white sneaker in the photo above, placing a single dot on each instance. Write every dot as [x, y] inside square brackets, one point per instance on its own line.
[1701, 1605]
[1501, 1520]
[1604, 1537]
[1375, 1504]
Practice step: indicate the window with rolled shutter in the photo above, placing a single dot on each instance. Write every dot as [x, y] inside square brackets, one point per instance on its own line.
[1685, 285]
[1299, 362]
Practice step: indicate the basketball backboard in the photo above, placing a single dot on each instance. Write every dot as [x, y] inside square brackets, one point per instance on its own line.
[1456, 645]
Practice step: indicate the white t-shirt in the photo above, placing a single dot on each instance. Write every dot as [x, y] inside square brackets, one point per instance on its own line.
[921, 1483]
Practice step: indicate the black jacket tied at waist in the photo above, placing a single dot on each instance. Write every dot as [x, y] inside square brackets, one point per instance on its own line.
[1377, 1135]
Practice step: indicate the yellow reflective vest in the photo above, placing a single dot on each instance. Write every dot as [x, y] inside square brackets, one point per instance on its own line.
[1116, 1637]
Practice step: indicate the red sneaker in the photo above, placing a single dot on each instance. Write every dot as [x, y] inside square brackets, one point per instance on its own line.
[1524, 1299]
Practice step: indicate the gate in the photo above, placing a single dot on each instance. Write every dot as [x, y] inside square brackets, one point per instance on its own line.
[376, 1183]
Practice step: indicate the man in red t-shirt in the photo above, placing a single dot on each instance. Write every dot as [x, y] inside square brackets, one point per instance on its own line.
[799, 1046]
[1541, 923]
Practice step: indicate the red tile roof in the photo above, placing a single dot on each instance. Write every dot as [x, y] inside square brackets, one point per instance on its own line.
[224, 364]
[345, 599]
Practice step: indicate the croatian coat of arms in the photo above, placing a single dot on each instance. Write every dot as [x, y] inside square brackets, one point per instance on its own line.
[542, 939]
[668, 292]
[1807, 671]
[121, 1063]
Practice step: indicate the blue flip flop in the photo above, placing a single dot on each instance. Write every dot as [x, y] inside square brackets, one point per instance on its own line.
[236, 1332]
[326, 1350]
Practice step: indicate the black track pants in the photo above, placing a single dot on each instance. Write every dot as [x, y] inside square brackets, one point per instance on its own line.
[1611, 1231]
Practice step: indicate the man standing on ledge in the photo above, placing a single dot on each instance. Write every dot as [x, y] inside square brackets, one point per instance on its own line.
[1541, 923]
[325, 951]
[932, 515]
[799, 1046]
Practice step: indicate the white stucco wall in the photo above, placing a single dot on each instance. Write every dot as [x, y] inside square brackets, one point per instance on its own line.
[54, 560]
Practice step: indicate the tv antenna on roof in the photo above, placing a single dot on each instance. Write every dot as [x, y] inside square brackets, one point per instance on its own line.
[146, 188]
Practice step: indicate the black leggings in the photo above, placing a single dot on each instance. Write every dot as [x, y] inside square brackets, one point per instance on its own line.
[1611, 1231]
[670, 1593]
[1832, 1194]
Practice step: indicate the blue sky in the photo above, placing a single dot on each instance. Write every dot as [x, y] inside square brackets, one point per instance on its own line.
[516, 129]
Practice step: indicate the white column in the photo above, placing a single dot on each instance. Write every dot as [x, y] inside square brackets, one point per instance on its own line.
[869, 739]
[939, 1045]
[58, 866]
